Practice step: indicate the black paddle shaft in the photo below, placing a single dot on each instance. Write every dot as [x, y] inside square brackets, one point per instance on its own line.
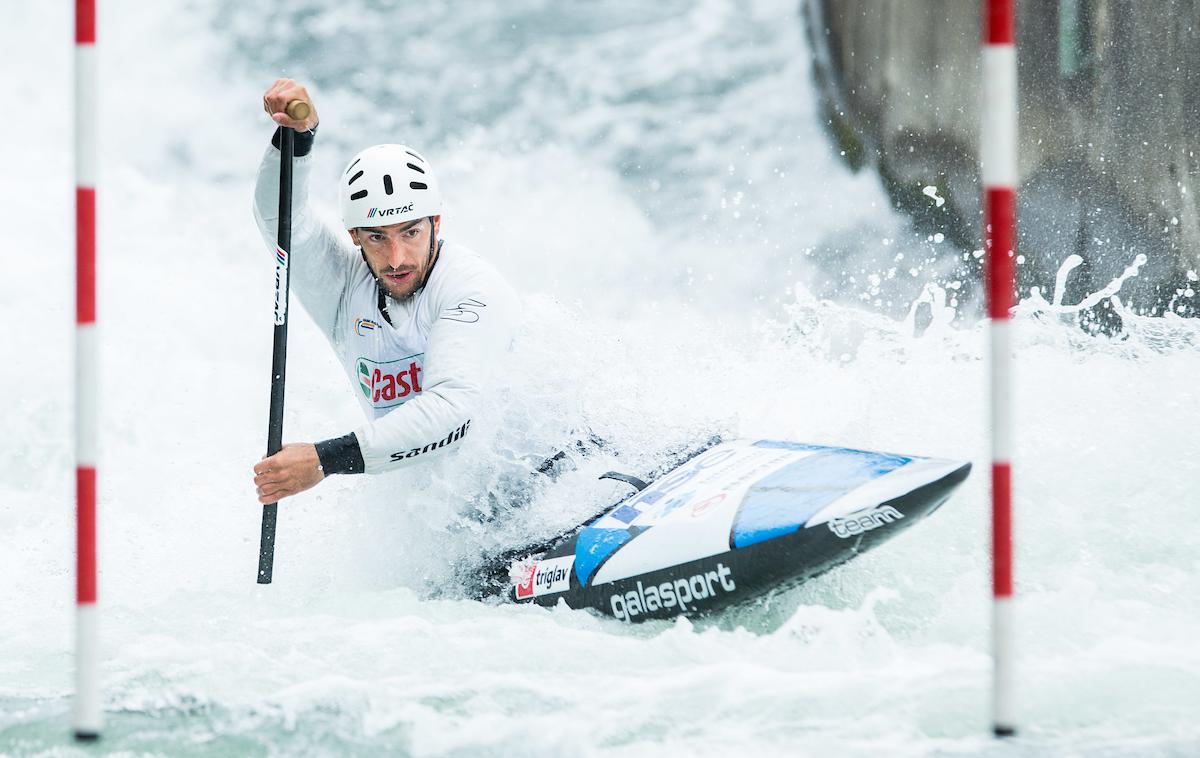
[266, 546]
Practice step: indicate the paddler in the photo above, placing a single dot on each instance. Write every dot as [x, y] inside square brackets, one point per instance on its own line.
[417, 322]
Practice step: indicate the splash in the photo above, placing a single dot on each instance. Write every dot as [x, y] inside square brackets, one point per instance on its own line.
[365, 643]
[1036, 302]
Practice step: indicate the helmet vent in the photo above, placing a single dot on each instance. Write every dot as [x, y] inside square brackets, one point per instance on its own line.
[359, 195]
[416, 168]
[351, 166]
[418, 185]
[410, 152]
[387, 183]
[355, 178]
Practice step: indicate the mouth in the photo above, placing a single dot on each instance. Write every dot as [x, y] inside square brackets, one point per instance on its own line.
[400, 277]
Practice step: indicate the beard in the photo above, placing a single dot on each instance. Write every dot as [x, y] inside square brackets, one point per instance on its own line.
[399, 290]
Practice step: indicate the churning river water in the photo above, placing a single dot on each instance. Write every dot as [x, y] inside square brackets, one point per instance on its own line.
[654, 179]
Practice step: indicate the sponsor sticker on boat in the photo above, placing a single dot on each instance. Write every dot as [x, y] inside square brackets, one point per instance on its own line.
[857, 523]
[545, 577]
[671, 593]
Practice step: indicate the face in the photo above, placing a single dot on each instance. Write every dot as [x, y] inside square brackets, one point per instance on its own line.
[398, 254]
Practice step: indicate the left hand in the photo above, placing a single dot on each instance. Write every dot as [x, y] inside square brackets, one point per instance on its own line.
[294, 469]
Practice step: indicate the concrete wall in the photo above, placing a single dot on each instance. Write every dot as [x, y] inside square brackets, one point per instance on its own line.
[1109, 117]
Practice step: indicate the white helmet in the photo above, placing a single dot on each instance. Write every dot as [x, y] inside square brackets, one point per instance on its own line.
[388, 184]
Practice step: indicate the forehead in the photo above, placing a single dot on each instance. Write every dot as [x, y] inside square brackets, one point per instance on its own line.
[390, 228]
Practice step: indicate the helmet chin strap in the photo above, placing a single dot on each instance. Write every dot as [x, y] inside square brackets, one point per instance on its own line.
[435, 247]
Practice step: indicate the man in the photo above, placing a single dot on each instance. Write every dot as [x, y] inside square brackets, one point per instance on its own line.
[417, 322]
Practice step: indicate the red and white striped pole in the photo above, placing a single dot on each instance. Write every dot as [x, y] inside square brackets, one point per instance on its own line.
[998, 156]
[86, 716]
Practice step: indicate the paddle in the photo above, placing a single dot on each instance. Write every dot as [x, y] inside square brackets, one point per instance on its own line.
[298, 110]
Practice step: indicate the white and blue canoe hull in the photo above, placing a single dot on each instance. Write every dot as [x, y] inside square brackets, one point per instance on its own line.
[741, 519]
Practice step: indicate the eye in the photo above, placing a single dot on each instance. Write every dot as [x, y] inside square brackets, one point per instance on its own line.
[375, 237]
[412, 233]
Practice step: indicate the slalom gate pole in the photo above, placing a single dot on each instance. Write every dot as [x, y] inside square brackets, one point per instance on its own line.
[266, 547]
[998, 157]
[86, 712]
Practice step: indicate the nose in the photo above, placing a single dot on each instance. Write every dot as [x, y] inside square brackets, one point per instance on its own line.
[395, 253]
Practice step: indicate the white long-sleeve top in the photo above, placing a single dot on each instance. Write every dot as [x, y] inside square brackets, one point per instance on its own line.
[419, 376]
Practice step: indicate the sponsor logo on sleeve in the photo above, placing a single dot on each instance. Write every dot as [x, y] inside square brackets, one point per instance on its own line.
[855, 524]
[392, 383]
[466, 311]
[454, 436]
[546, 577]
[364, 325]
[671, 594]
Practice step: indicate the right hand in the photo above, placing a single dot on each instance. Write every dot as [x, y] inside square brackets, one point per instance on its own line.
[276, 100]
[294, 469]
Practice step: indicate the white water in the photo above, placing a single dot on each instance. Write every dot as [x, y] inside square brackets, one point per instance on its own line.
[589, 152]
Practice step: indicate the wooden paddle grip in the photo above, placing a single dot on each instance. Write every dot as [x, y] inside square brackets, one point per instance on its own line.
[297, 109]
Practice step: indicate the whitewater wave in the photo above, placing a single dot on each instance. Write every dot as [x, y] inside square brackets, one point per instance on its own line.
[693, 263]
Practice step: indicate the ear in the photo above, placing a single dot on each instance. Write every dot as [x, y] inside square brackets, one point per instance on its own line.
[437, 224]
[354, 237]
